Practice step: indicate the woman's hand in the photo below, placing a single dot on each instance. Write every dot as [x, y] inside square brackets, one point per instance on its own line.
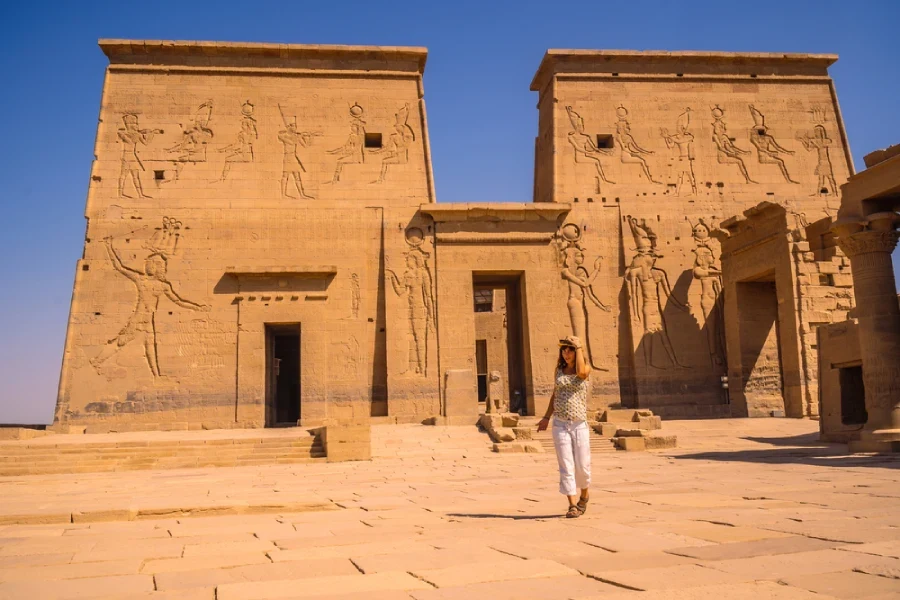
[543, 423]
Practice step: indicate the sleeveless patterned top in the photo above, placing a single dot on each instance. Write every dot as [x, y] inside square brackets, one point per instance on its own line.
[570, 403]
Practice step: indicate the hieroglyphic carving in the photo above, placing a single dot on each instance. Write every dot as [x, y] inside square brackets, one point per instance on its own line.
[242, 149]
[397, 152]
[649, 293]
[726, 152]
[291, 165]
[818, 140]
[581, 289]
[151, 285]
[131, 135]
[767, 148]
[710, 277]
[354, 295]
[353, 150]
[585, 148]
[684, 141]
[632, 153]
[194, 138]
[415, 285]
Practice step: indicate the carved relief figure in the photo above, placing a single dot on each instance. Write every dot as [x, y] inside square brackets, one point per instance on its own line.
[353, 150]
[397, 152]
[585, 148]
[354, 295]
[242, 149]
[131, 135]
[151, 286]
[192, 147]
[581, 290]
[649, 293]
[683, 140]
[632, 153]
[415, 285]
[819, 142]
[726, 152]
[767, 148]
[291, 166]
[710, 278]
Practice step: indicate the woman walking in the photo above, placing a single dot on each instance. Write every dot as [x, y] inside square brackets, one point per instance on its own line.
[571, 438]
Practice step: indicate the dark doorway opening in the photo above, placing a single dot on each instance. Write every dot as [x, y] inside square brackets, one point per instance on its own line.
[282, 375]
[853, 396]
[500, 334]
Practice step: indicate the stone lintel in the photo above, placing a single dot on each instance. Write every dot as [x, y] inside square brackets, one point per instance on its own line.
[653, 62]
[764, 209]
[497, 211]
[236, 54]
[876, 189]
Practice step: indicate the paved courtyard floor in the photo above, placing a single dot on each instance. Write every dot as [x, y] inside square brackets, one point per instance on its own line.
[743, 509]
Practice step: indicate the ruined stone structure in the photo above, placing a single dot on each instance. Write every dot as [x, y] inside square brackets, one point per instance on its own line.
[264, 245]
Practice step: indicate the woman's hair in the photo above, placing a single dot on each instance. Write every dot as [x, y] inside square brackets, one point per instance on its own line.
[560, 361]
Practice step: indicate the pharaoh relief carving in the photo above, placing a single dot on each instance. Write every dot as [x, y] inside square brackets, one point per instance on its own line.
[682, 141]
[191, 149]
[151, 285]
[582, 295]
[631, 152]
[586, 151]
[353, 150]
[710, 277]
[649, 293]
[293, 173]
[415, 286]
[726, 152]
[397, 151]
[818, 141]
[132, 136]
[767, 149]
[241, 151]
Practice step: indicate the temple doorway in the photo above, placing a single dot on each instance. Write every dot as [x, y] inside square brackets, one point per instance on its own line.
[499, 343]
[282, 375]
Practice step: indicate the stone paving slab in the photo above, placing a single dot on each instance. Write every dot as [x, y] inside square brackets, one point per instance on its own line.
[740, 501]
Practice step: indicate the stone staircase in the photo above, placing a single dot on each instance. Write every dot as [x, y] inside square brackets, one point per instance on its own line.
[545, 438]
[158, 450]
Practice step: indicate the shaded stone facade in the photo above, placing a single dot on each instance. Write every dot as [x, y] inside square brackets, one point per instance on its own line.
[264, 245]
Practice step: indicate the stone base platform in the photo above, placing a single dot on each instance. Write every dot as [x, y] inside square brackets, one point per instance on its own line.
[64, 453]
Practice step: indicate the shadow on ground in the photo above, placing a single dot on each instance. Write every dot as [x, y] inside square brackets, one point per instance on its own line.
[513, 517]
[823, 456]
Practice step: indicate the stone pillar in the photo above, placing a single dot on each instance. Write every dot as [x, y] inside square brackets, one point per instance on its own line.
[868, 242]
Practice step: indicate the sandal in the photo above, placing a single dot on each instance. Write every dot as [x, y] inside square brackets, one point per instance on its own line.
[582, 504]
[574, 512]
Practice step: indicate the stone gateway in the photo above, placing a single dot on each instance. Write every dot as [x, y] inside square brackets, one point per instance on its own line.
[264, 246]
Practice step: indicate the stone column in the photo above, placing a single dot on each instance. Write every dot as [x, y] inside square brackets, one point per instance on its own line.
[868, 242]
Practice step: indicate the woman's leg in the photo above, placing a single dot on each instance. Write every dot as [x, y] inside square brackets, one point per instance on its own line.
[562, 442]
[581, 448]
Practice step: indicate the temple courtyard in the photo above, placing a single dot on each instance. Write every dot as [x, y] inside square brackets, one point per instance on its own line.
[743, 508]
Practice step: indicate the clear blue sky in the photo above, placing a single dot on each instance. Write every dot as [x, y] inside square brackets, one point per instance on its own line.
[482, 117]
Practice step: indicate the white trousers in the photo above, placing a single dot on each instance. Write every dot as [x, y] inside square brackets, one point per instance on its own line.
[573, 452]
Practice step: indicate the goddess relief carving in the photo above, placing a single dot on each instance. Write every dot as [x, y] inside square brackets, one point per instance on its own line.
[710, 277]
[649, 293]
[397, 152]
[585, 148]
[726, 152]
[581, 291]
[632, 153]
[415, 286]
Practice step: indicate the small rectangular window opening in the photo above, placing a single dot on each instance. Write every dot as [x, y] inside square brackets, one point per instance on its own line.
[605, 140]
[373, 140]
[159, 175]
[484, 300]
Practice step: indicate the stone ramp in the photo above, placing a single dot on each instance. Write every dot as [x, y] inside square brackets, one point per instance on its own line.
[158, 450]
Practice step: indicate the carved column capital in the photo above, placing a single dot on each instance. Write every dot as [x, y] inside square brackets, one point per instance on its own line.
[868, 241]
[875, 233]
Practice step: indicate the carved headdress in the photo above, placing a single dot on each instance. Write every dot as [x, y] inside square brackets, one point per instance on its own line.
[164, 241]
[575, 119]
[759, 120]
[644, 238]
